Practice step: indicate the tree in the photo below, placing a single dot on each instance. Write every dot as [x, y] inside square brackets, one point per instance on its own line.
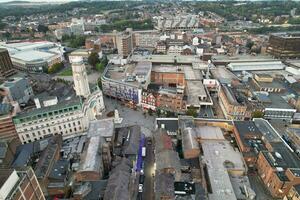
[192, 111]
[249, 44]
[55, 68]
[100, 83]
[42, 28]
[93, 59]
[257, 114]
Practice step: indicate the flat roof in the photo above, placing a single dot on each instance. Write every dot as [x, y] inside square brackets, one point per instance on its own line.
[192, 74]
[167, 58]
[168, 68]
[33, 55]
[143, 68]
[266, 130]
[103, 128]
[278, 102]
[218, 154]
[209, 133]
[195, 89]
[91, 158]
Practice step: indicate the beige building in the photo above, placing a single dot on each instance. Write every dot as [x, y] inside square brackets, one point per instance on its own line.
[125, 42]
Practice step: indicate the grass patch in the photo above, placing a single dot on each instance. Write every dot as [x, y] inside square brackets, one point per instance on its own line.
[66, 72]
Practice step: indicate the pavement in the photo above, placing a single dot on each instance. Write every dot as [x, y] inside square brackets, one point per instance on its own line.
[130, 116]
[148, 193]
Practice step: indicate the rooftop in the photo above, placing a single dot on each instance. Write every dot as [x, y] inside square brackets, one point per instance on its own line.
[168, 68]
[195, 89]
[91, 159]
[103, 128]
[267, 131]
[220, 158]
[59, 170]
[38, 113]
[164, 185]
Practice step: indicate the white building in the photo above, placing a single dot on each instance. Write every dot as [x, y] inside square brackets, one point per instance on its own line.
[34, 56]
[69, 117]
[81, 84]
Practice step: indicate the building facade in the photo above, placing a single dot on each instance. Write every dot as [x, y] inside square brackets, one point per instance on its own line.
[6, 66]
[284, 45]
[146, 38]
[20, 185]
[231, 108]
[125, 43]
[66, 118]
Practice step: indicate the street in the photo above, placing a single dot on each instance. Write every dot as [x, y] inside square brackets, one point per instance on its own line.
[148, 193]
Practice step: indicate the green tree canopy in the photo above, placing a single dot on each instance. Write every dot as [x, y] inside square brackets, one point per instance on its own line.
[55, 68]
[257, 114]
[93, 59]
[192, 111]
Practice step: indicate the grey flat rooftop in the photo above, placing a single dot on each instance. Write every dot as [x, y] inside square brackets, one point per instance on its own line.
[277, 102]
[168, 68]
[143, 68]
[192, 74]
[91, 160]
[182, 59]
[216, 155]
[209, 133]
[195, 89]
[222, 72]
[103, 128]
[266, 130]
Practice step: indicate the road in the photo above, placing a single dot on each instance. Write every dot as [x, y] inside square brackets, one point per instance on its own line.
[148, 193]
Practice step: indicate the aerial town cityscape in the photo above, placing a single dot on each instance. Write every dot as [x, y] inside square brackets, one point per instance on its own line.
[149, 100]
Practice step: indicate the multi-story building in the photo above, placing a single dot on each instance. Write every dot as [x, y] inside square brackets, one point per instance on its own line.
[161, 47]
[146, 38]
[34, 56]
[168, 75]
[169, 99]
[125, 82]
[7, 127]
[6, 66]
[294, 193]
[148, 100]
[278, 172]
[249, 140]
[19, 89]
[285, 45]
[20, 185]
[231, 108]
[68, 117]
[125, 42]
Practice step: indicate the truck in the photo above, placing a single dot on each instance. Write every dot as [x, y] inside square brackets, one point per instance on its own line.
[143, 151]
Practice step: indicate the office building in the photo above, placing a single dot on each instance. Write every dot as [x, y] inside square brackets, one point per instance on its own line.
[7, 127]
[231, 107]
[20, 185]
[6, 66]
[125, 43]
[284, 45]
